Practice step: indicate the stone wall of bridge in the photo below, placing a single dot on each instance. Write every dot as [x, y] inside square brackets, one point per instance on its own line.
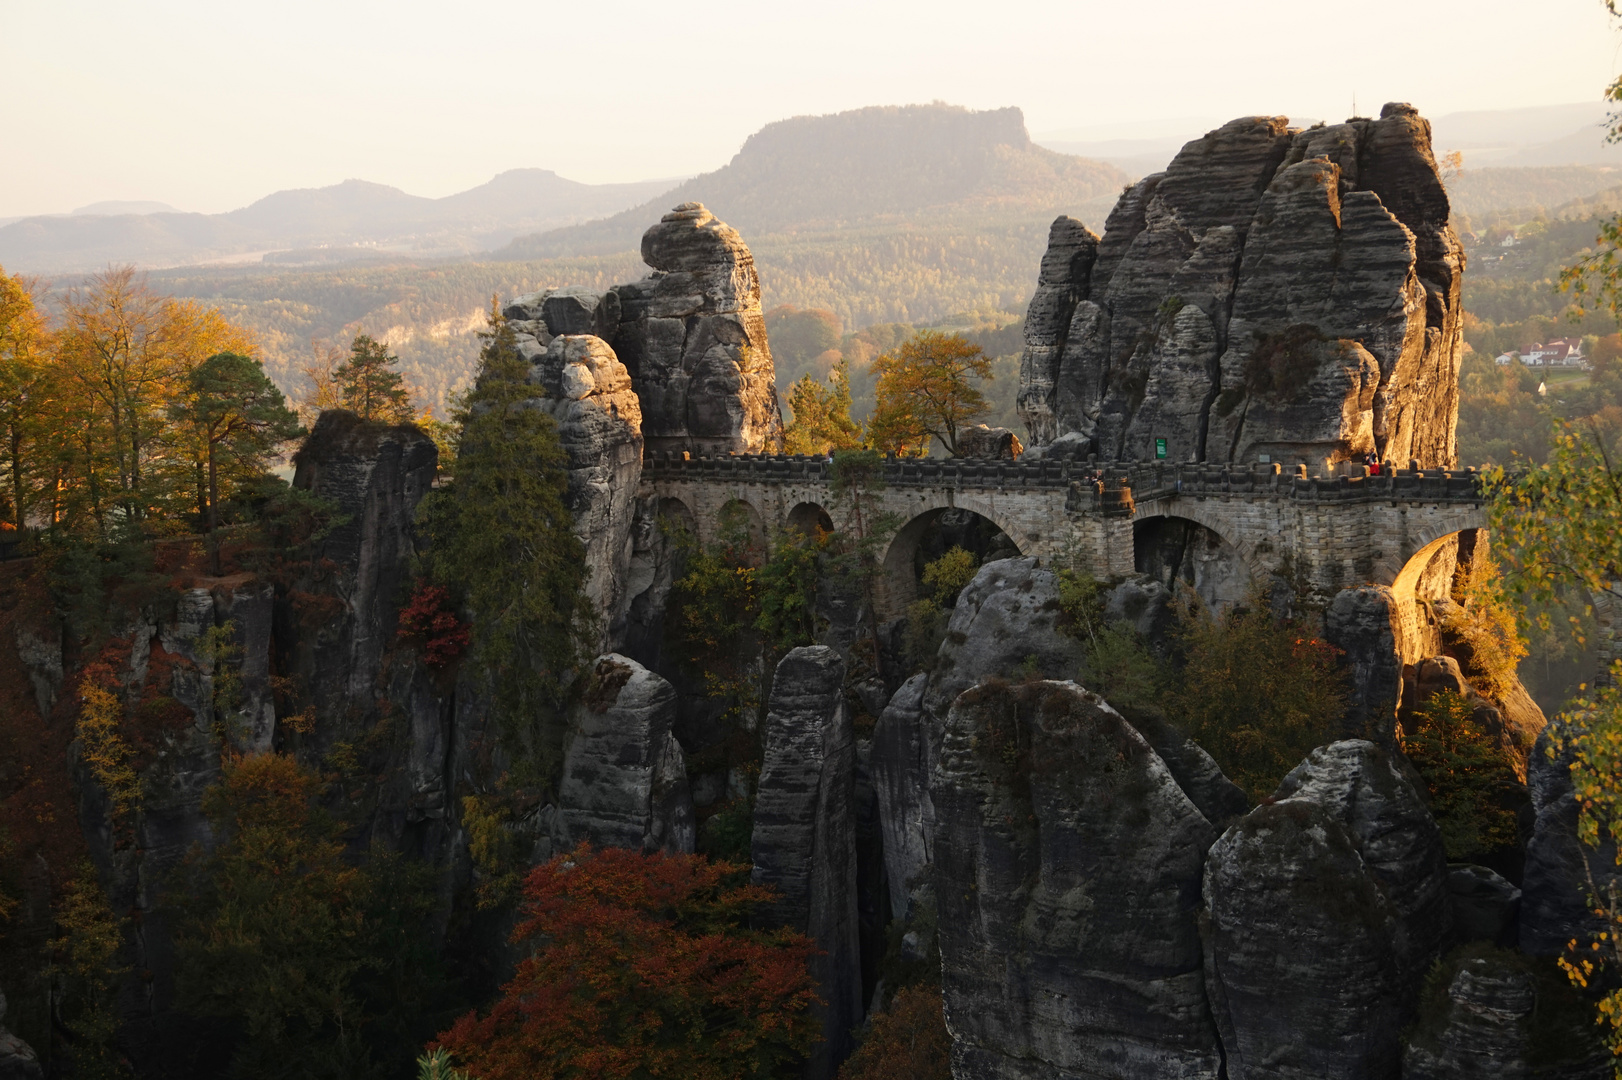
[1320, 533]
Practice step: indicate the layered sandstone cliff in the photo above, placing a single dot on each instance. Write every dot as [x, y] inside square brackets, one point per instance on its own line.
[1276, 294]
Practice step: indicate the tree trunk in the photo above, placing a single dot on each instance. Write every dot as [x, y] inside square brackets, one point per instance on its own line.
[213, 504]
[18, 516]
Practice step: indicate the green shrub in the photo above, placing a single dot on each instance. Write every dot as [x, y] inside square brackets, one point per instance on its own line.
[1467, 773]
[948, 575]
[1256, 693]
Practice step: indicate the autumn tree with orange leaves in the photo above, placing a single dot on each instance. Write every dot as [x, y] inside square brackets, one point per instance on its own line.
[643, 966]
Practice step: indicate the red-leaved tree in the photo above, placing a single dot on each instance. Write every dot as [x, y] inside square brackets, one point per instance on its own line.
[643, 967]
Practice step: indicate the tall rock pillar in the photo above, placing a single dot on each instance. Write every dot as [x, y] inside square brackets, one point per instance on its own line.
[694, 338]
[804, 843]
[588, 392]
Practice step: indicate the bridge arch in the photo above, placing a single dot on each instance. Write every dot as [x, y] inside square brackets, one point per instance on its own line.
[740, 525]
[1173, 547]
[1419, 537]
[909, 546]
[808, 517]
[1427, 575]
[674, 513]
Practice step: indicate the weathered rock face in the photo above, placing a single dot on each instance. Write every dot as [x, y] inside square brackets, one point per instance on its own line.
[376, 476]
[1486, 907]
[624, 775]
[1275, 292]
[981, 441]
[804, 841]
[1062, 282]
[901, 763]
[1555, 881]
[1005, 620]
[588, 392]
[1364, 624]
[1484, 1031]
[1067, 871]
[17, 1059]
[691, 335]
[1326, 908]
[694, 339]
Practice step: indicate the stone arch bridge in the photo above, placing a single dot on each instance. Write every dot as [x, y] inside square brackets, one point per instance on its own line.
[1318, 533]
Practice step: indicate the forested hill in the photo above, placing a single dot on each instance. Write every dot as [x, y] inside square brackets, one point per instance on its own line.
[883, 165]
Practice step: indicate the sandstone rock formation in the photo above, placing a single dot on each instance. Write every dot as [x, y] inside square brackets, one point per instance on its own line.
[376, 475]
[1067, 870]
[804, 841]
[981, 441]
[1486, 907]
[624, 775]
[1005, 620]
[1483, 1031]
[694, 338]
[1364, 624]
[1326, 907]
[1555, 884]
[902, 761]
[691, 334]
[17, 1059]
[588, 392]
[1278, 292]
[1060, 285]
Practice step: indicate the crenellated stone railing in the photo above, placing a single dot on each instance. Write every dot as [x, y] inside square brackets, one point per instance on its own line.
[1114, 488]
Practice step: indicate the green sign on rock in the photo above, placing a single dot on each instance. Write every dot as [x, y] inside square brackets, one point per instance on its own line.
[1160, 448]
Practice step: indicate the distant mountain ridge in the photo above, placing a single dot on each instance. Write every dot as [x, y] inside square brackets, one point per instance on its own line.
[348, 219]
[878, 165]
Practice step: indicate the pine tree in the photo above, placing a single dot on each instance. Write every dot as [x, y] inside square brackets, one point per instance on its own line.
[822, 421]
[235, 417]
[368, 385]
[502, 539]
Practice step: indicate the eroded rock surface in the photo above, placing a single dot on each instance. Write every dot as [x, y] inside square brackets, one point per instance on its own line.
[804, 841]
[376, 475]
[1067, 872]
[1280, 292]
[1364, 624]
[694, 338]
[1484, 1028]
[691, 335]
[1555, 882]
[1326, 907]
[17, 1059]
[624, 775]
[1005, 621]
[588, 392]
[981, 441]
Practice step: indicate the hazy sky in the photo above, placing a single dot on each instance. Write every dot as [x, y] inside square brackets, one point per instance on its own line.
[209, 105]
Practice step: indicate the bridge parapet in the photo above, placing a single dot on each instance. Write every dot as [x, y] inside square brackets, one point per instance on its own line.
[1400, 485]
[1111, 487]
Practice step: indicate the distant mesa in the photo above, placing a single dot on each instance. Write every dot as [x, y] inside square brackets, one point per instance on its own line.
[879, 165]
[127, 206]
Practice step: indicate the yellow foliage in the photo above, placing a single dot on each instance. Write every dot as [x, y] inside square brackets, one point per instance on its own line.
[1487, 622]
[492, 845]
[103, 749]
[84, 967]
